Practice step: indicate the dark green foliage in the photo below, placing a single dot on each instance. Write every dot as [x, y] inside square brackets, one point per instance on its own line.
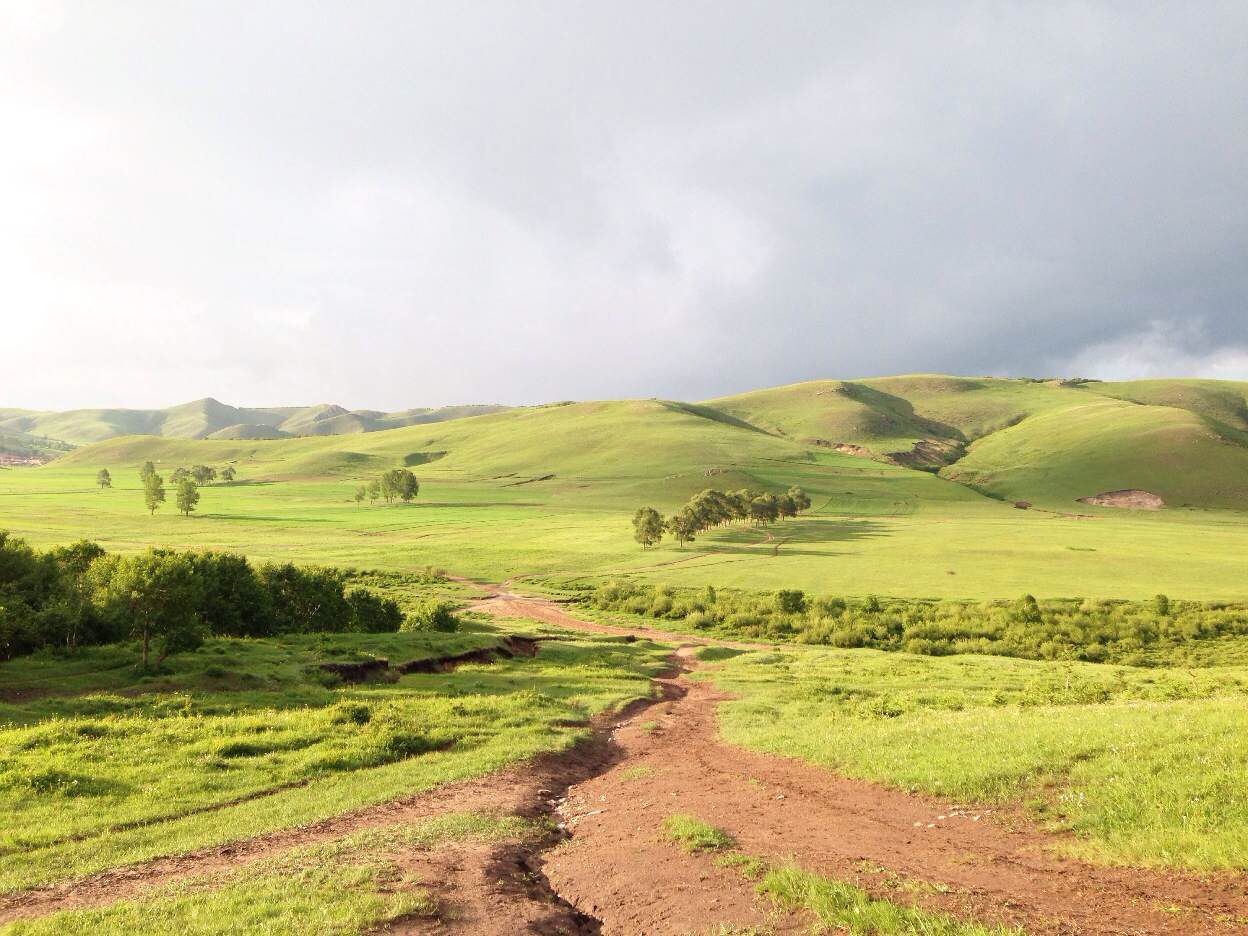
[371, 614]
[77, 595]
[432, 615]
[1132, 632]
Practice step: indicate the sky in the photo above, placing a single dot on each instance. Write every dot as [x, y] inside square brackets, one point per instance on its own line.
[403, 204]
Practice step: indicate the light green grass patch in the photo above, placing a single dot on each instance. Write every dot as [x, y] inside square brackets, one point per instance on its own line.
[344, 885]
[91, 781]
[845, 908]
[1146, 767]
[692, 834]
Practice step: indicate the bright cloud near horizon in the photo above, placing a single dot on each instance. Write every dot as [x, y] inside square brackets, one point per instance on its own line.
[396, 204]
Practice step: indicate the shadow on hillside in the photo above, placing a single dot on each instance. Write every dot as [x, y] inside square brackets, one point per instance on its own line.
[790, 536]
[249, 517]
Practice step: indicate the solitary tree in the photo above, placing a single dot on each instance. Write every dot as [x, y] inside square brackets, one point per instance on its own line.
[647, 526]
[228, 473]
[153, 491]
[188, 496]
[103, 479]
[146, 471]
[360, 493]
[374, 491]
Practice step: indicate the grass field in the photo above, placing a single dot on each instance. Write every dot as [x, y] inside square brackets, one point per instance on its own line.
[1144, 767]
[102, 767]
[874, 528]
[551, 489]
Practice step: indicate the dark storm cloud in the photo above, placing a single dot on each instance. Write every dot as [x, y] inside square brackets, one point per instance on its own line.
[400, 204]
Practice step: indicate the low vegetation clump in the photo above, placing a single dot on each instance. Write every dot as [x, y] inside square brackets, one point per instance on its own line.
[79, 595]
[1132, 632]
[841, 907]
[1143, 766]
[692, 834]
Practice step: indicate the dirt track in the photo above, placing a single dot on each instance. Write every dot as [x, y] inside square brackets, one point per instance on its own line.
[613, 873]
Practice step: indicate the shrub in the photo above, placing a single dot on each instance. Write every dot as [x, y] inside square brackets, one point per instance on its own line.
[432, 615]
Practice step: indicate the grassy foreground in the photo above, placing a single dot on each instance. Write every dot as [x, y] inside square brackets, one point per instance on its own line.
[1144, 767]
[248, 736]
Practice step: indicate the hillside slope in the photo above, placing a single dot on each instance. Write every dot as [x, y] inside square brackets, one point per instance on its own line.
[1048, 442]
[210, 418]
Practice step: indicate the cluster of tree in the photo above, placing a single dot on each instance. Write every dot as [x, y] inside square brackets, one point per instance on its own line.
[713, 508]
[396, 484]
[201, 474]
[186, 482]
[1131, 632]
[78, 595]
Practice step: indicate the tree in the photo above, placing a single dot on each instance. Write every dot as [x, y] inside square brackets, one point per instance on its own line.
[764, 508]
[153, 491]
[204, 474]
[400, 483]
[228, 473]
[178, 474]
[374, 491]
[683, 526]
[647, 526]
[146, 471]
[155, 594]
[801, 500]
[360, 493]
[188, 496]
[103, 479]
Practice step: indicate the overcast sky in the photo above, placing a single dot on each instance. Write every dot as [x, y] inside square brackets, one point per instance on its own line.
[399, 204]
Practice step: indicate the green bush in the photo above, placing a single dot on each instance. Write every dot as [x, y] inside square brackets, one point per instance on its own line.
[432, 615]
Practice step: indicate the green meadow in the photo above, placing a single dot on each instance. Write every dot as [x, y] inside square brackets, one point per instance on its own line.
[551, 489]
[1142, 767]
[103, 766]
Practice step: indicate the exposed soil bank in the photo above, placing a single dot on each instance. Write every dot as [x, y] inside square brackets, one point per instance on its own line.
[1129, 499]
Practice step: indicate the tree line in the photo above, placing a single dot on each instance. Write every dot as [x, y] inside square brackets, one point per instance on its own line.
[186, 482]
[396, 484]
[170, 600]
[713, 508]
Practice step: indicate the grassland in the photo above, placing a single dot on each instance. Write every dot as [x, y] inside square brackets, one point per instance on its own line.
[1141, 767]
[551, 489]
[346, 885]
[102, 767]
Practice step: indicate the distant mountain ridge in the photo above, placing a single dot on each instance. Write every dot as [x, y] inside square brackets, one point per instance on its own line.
[211, 419]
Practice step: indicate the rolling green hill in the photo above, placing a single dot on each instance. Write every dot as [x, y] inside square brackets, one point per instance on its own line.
[550, 489]
[209, 418]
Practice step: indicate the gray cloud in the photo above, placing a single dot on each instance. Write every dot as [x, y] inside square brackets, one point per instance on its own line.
[395, 204]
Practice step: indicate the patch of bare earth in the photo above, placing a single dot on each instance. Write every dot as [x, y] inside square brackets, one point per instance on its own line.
[1129, 499]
